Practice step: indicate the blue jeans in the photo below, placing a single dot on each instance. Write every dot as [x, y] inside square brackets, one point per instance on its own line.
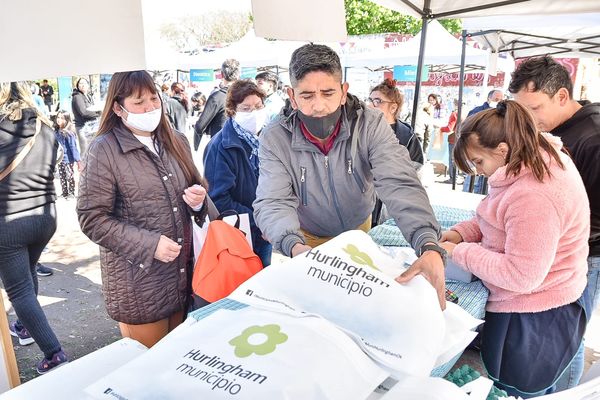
[23, 236]
[593, 280]
[264, 252]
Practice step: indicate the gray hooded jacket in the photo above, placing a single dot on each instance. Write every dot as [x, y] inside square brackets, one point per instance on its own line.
[299, 186]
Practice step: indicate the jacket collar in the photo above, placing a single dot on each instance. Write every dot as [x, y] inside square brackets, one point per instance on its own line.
[230, 138]
[291, 123]
[125, 138]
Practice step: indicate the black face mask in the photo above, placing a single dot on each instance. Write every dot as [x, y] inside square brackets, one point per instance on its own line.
[321, 127]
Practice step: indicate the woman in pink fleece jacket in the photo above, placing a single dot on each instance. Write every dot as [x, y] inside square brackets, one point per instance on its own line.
[528, 244]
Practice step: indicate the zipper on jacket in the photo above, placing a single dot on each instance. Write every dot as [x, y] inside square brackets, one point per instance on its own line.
[359, 181]
[303, 193]
[334, 194]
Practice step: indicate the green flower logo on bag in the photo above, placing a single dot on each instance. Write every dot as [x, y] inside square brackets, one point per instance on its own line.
[359, 257]
[260, 340]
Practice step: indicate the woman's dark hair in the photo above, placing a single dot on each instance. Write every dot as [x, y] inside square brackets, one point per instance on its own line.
[437, 104]
[509, 123]
[69, 128]
[136, 83]
[79, 81]
[238, 91]
[178, 90]
[198, 97]
[389, 89]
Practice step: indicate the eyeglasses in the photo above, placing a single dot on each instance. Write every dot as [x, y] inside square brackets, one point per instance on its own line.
[377, 101]
[247, 108]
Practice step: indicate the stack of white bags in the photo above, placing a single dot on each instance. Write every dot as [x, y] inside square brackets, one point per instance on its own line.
[329, 324]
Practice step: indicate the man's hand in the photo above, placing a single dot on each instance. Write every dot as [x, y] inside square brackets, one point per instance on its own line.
[299, 248]
[431, 266]
[451, 236]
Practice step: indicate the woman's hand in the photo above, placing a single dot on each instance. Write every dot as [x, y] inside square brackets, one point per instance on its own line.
[451, 236]
[194, 196]
[166, 250]
[449, 247]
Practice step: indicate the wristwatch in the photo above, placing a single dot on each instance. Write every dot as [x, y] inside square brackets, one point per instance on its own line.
[434, 247]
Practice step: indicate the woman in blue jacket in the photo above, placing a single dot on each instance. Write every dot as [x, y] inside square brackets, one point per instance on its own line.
[231, 158]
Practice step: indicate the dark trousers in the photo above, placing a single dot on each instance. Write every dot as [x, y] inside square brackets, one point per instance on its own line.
[82, 140]
[451, 167]
[23, 236]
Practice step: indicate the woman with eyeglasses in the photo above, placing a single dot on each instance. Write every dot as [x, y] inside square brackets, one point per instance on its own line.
[138, 190]
[231, 158]
[388, 99]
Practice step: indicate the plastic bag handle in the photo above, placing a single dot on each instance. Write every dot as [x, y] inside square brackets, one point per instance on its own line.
[228, 213]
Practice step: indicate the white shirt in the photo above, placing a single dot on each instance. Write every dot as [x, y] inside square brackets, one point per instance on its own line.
[148, 142]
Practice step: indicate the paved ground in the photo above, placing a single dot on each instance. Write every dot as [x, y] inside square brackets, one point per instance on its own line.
[73, 302]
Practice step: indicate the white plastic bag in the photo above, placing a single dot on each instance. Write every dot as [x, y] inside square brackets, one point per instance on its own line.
[199, 233]
[349, 281]
[247, 354]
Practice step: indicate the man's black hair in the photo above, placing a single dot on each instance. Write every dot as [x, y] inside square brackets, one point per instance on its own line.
[311, 58]
[545, 73]
[230, 70]
[268, 76]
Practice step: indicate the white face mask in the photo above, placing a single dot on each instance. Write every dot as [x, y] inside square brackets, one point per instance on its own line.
[493, 104]
[146, 122]
[252, 121]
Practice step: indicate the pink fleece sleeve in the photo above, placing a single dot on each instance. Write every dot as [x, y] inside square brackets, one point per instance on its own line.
[532, 228]
[469, 230]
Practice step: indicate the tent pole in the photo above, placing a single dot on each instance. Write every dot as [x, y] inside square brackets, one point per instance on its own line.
[461, 86]
[419, 69]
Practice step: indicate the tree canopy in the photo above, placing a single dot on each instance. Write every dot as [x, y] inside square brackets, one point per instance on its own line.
[190, 33]
[365, 17]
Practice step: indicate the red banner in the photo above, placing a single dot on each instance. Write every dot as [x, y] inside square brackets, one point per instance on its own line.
[445, 79]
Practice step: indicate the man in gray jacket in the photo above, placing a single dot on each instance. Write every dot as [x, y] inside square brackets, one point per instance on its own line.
[321, 162]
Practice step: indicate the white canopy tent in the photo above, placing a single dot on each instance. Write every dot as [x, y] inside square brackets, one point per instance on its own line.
[69, 37]
[250, 51]
[444, 49]
[526, 36]
[437, 9]
[306, 20]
